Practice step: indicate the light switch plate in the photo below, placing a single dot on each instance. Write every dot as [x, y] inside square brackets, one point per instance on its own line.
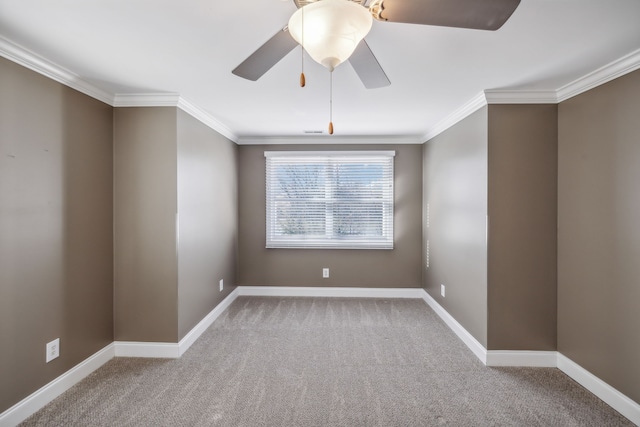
[53, 350]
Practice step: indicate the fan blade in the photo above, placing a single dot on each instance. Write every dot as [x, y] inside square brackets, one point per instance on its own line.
[267, 55]
[474, 14]
[368, 68]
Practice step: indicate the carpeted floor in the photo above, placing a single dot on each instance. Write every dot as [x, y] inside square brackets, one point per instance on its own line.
[325, 362]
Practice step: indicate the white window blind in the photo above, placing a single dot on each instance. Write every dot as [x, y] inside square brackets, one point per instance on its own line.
[340, 200]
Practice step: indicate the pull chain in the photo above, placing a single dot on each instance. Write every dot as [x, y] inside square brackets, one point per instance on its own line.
[303, 81]
[330, 102]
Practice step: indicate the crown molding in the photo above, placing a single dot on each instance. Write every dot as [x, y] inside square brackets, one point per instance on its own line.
[40, 65]
[602, 75]
[146, 100]
[22, 56]
[207, 119]
[502, 96]
[492, 96]
[173, 100]
[327, 139]
[473, 105]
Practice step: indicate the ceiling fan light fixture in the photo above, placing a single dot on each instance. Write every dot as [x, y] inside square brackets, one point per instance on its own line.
[332, 30]
[376, 8]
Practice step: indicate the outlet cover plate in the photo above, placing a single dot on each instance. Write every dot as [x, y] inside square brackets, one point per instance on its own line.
[442, 290]
[221, 284]
[325, 273]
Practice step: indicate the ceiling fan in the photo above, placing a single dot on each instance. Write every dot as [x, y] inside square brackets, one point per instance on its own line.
[473, 14]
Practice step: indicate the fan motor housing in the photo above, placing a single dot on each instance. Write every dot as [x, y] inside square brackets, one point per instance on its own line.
[302, 3]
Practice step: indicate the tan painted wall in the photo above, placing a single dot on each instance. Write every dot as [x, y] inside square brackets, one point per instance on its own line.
[455, 184]
[523, 160]
[399, 267]
[145, 207]
[208, 219]
[56, 263]
[599, 232]
[58, 189]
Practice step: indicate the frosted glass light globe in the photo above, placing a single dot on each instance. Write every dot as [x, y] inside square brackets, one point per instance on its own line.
[332, 29]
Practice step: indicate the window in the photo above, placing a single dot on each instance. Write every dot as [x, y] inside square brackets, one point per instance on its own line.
[340, 200]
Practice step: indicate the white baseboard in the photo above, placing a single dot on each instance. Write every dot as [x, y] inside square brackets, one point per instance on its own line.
[491, 357]
[35, 401]
[173, 350]
[547, 359]
[202, 326]
[160, 350]
[604, 391]
[286, 291]
[537, 359]
[23, 409]
[473, 344]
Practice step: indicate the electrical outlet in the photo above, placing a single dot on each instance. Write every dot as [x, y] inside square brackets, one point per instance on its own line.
[442, 290]
[325, 273]
[221, 284]
[53, 350]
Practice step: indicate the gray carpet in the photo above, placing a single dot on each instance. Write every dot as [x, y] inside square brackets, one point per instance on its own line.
[325, 362]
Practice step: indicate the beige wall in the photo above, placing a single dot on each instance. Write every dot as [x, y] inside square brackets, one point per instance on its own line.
[455, 195]
[522, 182]
[599, 232]
[145, 207]
[399, 267]
[56, 264]
[66, 159]
[208, 219]
[497, 165]
[176, 222]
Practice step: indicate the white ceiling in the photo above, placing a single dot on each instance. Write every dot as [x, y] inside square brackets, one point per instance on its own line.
[189, 47]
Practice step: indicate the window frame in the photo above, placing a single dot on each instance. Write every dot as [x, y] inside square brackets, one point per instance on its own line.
[329, 240]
